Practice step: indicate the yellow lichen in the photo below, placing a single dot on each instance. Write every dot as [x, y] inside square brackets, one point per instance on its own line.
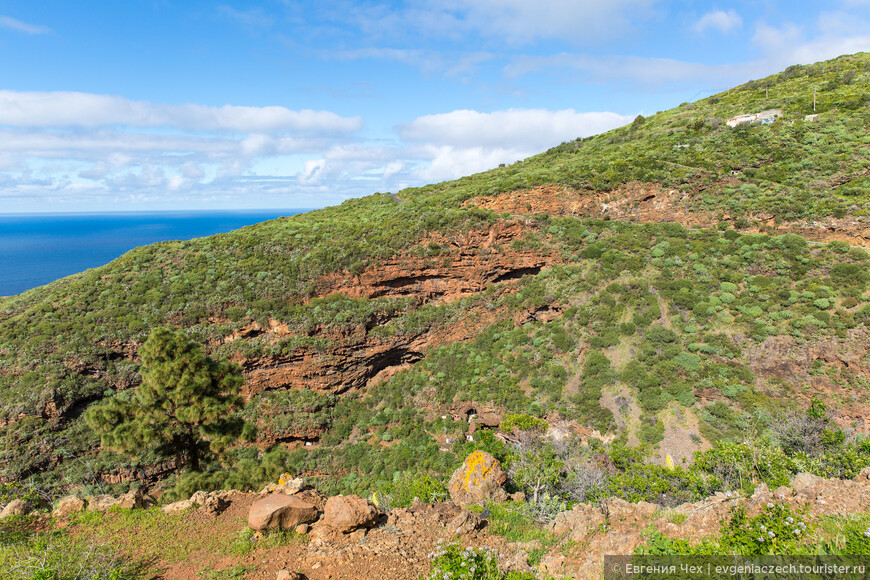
[477, 466]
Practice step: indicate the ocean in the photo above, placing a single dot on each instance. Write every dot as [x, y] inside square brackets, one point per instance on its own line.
[36, 249]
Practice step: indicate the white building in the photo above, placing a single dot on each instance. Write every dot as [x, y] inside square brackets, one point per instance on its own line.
[764, 118]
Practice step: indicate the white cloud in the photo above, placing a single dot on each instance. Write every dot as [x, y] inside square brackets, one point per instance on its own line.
[464, 142]
[447, 162]
[81, 147]
[15, 24]
[71, 109]
[392, 168]
[718, 20]
[312, 172]
[151, 152]
[191, 170]
[835, 34]
[525, 129]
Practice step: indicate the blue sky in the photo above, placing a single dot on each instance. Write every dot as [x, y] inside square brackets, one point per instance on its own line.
[143, 105]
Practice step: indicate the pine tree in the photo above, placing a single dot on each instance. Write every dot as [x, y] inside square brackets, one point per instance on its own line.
[181, 409]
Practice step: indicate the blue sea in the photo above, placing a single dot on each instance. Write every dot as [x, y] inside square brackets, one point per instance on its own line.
[36, 249]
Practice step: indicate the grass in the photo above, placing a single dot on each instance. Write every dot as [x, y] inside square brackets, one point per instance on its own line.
[248, 540]
[228, 574]
[28, 553]
[672, 516]
[512, 521]
[844, 534]
[153, 535]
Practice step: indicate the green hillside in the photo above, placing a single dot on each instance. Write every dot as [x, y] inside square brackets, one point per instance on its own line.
[796, 169]
[660, 334]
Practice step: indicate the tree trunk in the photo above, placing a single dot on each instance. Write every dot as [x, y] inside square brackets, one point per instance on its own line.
[192, 449]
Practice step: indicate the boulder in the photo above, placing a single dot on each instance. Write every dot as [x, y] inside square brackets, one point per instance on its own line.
[346, 513]
[68, 506]
[16, 507]
[807, 484]
[135, 499]
[280, 511]
[477, 480]
[864, 476]
[465, 523]
[178, 506]
[101, 503]
[288, 575]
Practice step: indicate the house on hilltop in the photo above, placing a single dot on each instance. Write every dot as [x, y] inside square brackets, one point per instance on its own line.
[763, 118]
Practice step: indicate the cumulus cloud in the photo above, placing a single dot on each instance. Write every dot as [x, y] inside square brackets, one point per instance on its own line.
[15, 24]
[463, 142]
[523, 128]
[81, 145]
[72, 109]
[448, 162]
[87, 144]
[718, 20]
[835, 34]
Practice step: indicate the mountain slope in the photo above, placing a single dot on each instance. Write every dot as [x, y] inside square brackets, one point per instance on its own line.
[370, 333]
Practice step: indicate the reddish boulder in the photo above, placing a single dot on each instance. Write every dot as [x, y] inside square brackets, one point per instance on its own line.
[280, 511]
[346, 513]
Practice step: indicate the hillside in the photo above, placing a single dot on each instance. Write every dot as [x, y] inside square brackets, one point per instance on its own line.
[653, 284]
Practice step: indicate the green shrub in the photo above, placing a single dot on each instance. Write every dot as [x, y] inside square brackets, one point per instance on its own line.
[402, 491]
[523, 422]
[776, 530]
[741, 465]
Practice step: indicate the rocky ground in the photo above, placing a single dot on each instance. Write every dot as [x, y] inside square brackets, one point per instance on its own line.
[231, 534]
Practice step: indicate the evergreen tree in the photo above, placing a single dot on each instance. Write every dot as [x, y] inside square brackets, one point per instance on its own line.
[181, 409]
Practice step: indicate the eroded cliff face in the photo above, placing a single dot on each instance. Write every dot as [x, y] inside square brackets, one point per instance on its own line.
[650, 202]
[826, 367]
[445, 268]
[450, 268]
